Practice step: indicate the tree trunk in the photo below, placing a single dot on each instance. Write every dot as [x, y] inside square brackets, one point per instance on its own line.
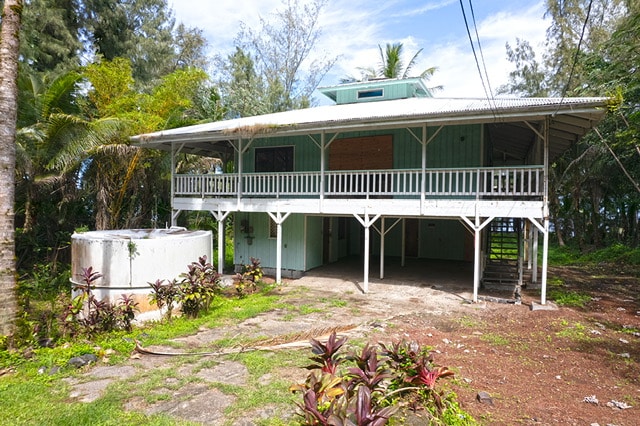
[9, 45]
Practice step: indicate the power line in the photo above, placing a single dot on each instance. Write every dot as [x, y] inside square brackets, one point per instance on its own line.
[575, 57]
[484, 64]
[473, 49]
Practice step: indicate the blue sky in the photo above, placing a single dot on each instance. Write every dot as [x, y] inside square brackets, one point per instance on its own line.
[353, 29]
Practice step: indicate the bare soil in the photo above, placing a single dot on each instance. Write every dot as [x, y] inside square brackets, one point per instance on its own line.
[570, 366]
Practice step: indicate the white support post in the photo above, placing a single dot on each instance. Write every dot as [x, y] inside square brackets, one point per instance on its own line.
[173, 182]
[545, 214]
[220, 217]
[278, 218]
[423, 180]
[382, 233]
[545, 255]
[403, 250]
[534, 255]
[174, 153]
[477, 227]
[322, 167]
[239, 182]
[366, 222]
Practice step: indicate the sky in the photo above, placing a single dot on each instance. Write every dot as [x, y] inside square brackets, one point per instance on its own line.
[353, 29]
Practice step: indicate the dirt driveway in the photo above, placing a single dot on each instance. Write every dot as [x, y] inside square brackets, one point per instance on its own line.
[569, 366]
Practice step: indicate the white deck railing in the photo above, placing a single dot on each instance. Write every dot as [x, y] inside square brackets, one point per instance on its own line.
[511, 182]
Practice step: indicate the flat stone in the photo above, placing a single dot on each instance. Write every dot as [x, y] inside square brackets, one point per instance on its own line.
[549, 306]
[484, 398]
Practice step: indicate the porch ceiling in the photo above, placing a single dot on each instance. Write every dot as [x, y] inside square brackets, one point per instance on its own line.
[570, 119]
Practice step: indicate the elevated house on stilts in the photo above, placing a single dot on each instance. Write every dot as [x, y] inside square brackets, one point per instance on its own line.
[387, 172]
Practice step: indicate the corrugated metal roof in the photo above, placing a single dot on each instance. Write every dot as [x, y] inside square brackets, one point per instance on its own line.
[576, 114]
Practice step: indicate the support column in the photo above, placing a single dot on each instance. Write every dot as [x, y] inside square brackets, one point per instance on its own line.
[220, 217]
[477, 227]
[545, 255]
[534, 255]
[403, 250]
[382, 233]
[278, 218]
[366, 222]
[544, 228]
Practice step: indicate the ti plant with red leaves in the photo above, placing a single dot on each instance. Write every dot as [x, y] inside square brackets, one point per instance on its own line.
[370, 392]
[87, 314]
[326, 354]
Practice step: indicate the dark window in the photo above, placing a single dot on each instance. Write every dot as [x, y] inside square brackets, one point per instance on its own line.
[278, 159]
[375, 93]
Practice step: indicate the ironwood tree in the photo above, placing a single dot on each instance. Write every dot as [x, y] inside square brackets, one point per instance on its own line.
[591, 51]
[279, 58]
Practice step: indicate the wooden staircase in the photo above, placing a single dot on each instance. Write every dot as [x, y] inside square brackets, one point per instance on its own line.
[502, 268]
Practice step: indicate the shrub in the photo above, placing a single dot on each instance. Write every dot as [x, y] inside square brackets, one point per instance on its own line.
[246, 282]
[374, 388]
[85, 313]
[194, 293]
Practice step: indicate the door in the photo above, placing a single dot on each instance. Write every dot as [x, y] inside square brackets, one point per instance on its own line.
[411, 237]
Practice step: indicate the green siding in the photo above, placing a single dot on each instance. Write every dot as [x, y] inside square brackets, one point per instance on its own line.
[264, 248]
[313, 246]
[454, 146]
[439, 239]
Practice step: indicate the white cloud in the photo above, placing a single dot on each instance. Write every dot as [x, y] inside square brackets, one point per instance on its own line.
[352, 30]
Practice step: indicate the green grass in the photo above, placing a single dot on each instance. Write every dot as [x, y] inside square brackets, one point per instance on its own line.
[615, 253]
[495, 339]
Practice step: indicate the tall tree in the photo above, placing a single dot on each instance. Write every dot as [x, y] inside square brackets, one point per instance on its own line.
[50, 35]
[144, 32]
[9, 51]
[281, 52]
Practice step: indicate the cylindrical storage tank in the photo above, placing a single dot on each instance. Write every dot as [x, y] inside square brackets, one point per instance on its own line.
[130, 259]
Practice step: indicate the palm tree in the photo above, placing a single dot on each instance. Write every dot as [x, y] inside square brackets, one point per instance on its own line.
[392, 66]
[53, 140]
[9, 48]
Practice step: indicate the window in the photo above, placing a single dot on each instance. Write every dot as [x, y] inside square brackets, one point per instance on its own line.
[373, 93]
[273, 228]
[276, 159]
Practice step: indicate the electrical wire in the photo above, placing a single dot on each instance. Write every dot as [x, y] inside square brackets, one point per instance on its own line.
[473, 49]
[575, 57]
[484, 64]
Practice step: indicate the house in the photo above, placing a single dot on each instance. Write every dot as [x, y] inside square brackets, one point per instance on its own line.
[388, 171]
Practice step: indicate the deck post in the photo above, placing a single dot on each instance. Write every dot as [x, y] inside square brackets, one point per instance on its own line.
[382, 232]
[477, 227]
[534, 272]
[366, 222]
[239, 177]
[278, 218]
[403, 249]
[545, 264]
[545, 214]
[220, 218]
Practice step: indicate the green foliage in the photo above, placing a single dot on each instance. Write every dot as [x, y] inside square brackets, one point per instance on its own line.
[194, 293]
[568, 298]
[199, 285]
[614, 254]
[246, 282]
[86, 314]
[370, 392]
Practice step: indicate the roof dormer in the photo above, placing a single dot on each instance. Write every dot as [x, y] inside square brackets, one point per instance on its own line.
[382, 89]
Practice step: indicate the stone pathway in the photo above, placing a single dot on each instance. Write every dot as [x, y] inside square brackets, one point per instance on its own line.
[192, 392]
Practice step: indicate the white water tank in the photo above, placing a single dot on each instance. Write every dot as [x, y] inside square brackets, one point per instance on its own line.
[130, 259]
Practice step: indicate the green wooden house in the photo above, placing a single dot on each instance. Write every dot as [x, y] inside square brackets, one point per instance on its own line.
[387, 172]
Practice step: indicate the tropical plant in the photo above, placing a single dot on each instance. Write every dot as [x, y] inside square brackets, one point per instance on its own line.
[199, 285]
[370, 392]
[246, 281]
